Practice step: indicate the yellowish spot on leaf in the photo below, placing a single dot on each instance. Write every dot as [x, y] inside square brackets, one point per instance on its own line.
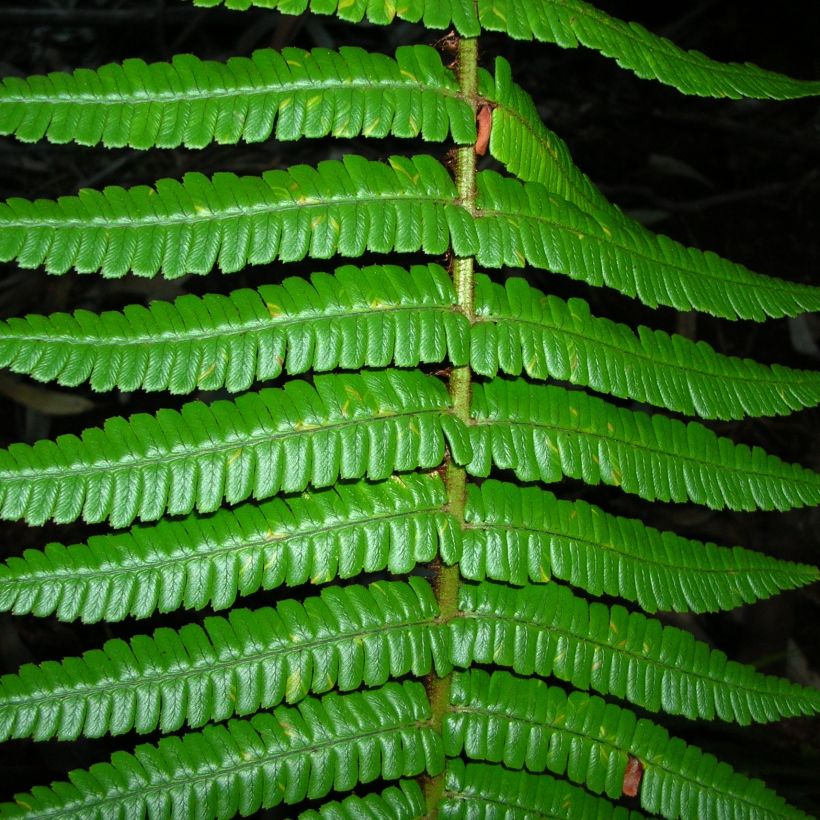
[206, 372]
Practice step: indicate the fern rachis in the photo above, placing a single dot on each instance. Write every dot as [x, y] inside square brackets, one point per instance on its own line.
[408, 408]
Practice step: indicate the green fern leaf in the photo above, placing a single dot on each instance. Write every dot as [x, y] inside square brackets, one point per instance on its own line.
[524, 534]
[371, 317]
[356, 205]
[567, 23]
[520, 329]
[384, 315]
[277, 440]
[435, 15]
[273, 758]
[402, 802]
[548, 631]
[193, 102]
[525, 224]
[525, 724]
[186, 227]
[347, 638]
[206, 561]
[531, 152]
[475, 790]
[548, 432]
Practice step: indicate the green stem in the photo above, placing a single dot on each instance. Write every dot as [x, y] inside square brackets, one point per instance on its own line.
[462, 269]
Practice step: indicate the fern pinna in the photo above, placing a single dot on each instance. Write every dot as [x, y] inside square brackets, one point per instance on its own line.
[452, 659]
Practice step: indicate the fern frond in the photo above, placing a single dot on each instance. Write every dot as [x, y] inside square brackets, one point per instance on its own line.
[567, 23]
[177, 228]
[476, 790]
[437, 15]
[385, 315]
[525, 724]
[570, 23]
[402, 802]
[531, 152]
[548, 631]
[352, 206]
[194, 102]
[278, 440]
[548, 432]
[345, 638]
[525, 224]
[206, 561]
[370, 317]
[273, 758]
[520, 329]
[525, 534]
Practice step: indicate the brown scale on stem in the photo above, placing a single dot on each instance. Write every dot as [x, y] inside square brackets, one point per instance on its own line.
[484, 123]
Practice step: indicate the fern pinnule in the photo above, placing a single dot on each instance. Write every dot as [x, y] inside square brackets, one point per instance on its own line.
[519, 329]
[239, 767]
[370, 317]
[525, 724]
[277, 440]
[406, 670]
[522, 535]
[343, 639]
[566, 23]
[544, 433]
[201, 561]
[291, 94]
[546, 630]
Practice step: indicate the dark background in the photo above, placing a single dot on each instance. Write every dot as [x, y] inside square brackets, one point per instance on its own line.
[740, 178]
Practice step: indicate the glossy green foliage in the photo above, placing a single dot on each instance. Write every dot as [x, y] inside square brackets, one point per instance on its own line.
[200, 561]
[363, 490]
[276, 757]
[355, 206]
[532, 153]
[524, 224]
[255, 659]
[385, 315]
[523, 535]
[522, 330]
[402, 802]
[372, 317]
[567, 23]
[547, 631]
[277, 440]
[544, 433]
[475, 790]
[525, 724]
[192, 102]
[186, 227]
